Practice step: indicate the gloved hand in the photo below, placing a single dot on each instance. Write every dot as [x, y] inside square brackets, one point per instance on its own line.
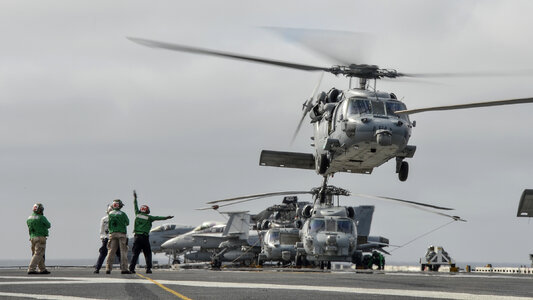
[170, 217]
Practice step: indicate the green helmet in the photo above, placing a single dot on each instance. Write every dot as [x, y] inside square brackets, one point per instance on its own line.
[38, 208]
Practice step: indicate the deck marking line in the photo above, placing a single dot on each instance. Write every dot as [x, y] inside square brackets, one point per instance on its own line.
[41, 296]
[349, 290]
[164, 287]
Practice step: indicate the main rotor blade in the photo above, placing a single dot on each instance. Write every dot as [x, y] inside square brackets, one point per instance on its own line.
[525, 72]
[401, 200]
[258, 196]
[308, 106]
[216, 206]
[468, 105]
[182, 48]
[417, 205]
[343, 47]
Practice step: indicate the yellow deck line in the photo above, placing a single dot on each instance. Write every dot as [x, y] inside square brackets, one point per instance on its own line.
[164, 287]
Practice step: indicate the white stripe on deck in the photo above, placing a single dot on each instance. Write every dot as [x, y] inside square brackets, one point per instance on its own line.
[239, 285]
[41, 296]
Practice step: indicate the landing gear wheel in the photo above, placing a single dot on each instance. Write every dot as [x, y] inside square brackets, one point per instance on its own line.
[404, 171]
[216, 264]
[323, 163]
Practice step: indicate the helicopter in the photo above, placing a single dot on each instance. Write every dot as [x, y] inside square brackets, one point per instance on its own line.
[329, 232]
[355, 130]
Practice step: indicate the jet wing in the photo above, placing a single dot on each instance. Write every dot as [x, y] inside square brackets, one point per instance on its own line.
[287, 159]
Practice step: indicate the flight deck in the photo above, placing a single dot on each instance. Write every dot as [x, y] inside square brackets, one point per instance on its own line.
[267, 283]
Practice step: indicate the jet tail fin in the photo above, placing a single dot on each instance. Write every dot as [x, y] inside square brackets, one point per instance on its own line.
[238, 225]
[363, 219]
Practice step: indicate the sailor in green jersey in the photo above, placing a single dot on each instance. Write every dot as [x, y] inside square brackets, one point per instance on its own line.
[143, 224]
[118, 221]
[38, 227]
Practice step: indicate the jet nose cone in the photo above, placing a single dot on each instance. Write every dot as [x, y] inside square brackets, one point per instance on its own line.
[170, 244]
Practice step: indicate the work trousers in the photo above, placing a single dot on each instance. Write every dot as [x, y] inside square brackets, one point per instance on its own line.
[103, 254]
[141, 242]
[38, 247]
[117, 240]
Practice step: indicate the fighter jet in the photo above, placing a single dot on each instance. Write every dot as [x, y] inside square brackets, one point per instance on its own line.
[232, 242]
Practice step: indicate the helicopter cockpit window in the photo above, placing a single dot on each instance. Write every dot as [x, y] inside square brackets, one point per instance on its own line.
[393, 106]
[331, 225]
[317, 225]
[274, 237]
[345, 226]
[289, 238]
[359, 106]
[378, 108]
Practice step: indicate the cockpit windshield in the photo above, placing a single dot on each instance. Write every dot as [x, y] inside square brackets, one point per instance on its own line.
[394, 106]
[204, 225]
[317, 225]
[345, 226]
[358, 106]
[289, 238]
[331, 225]
[274, 237]
[164, 228]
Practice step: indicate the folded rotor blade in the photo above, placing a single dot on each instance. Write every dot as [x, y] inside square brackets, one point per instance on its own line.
[182, 48]
[307, 107]
[468, 105]
[401, 200]
[418, 205]
[216, 206]
[259, 196]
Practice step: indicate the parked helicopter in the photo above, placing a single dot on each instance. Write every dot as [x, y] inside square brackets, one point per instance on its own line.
[329, 232]
[355, 130]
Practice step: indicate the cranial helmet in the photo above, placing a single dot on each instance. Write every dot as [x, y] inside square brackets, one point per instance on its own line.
[117, 204]
[145, 209]
[38, 208]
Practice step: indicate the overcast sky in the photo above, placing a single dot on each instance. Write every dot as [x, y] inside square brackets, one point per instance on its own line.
[86, 116]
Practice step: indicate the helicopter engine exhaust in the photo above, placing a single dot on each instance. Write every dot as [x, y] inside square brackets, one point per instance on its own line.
[306, 211]
[384, 137]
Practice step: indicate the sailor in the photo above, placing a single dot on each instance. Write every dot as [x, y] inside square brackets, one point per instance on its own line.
[38, 227]
[143, 224]
[104, 237]
[118, 221]
[381, 265]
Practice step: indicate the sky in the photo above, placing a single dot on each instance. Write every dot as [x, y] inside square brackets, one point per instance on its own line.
[86, 116]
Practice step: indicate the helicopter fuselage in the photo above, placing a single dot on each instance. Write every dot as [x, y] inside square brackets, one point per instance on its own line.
[329, 235]
[359, 131]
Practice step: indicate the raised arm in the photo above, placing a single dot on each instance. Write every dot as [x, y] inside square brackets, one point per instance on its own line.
[136, 207]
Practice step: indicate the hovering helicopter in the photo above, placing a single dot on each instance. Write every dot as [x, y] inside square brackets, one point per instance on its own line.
[355, 130]
[329, 232]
